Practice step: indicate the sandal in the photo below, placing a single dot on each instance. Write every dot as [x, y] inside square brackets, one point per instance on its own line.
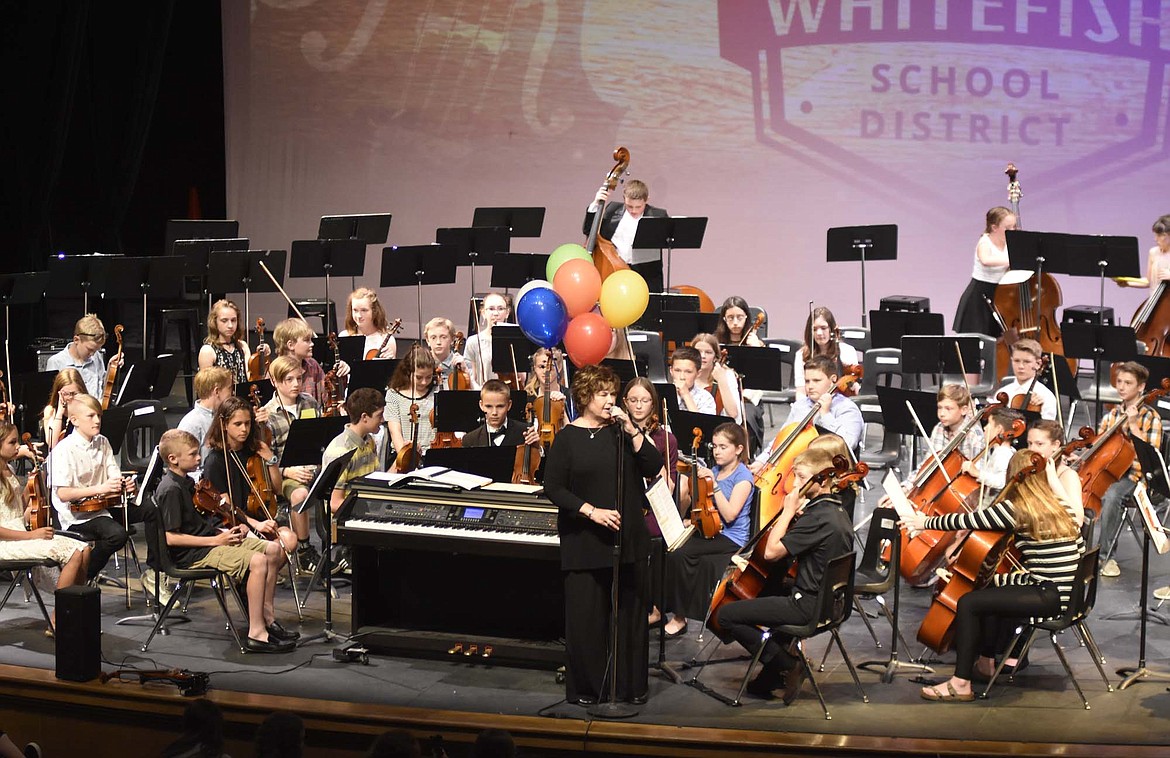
[935, 693]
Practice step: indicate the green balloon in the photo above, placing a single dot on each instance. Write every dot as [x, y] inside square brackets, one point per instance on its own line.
[564, 253]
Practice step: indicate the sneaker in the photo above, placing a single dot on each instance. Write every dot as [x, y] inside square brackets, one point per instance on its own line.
[307, 559]
[1162, 593]
[341, 565]
[163, 593]
[32, 750]
[1111, 568]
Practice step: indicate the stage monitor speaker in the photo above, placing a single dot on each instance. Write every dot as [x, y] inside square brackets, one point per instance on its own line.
[1088, 314]
[79, 642]
[906, 303]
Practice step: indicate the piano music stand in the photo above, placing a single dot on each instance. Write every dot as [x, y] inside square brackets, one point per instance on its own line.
[520, 222]
[475, 245]
[19, 289]
[493, 461]
[670, 232]
[405, 265]
[861, 243]
[322, 490]
[135, 278]
[229, 269]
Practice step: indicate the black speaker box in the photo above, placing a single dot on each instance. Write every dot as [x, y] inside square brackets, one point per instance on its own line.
[79, 641]
[906, 303]
[1088, 314]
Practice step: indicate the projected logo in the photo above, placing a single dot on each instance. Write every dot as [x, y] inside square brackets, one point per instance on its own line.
[870, 85]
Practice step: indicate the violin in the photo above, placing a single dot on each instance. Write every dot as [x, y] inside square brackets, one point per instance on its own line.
[112, 371]
[261, 494]
[408, 458]
[550, 412]
[849, 384]
[443, 439]
[458, 379]
[705, 515]
[752, 329]
[973, 567]
[258, 362]
[605, 255]
[35, 493]
[4, 401]
[265, 429]
[391, 330]
[527, 456]
[210, 502]
[334, 384]
[1026, 401]
[190, 684]
[101, 502]
[746, 579]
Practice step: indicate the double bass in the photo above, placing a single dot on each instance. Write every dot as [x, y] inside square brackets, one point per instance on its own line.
[605, 254]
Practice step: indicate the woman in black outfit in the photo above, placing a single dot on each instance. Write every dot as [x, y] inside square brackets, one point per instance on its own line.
[581, 479]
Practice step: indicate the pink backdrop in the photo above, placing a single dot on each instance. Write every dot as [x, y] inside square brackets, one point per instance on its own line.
[777, 119]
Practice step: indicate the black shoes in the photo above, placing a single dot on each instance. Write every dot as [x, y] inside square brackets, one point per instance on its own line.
[307, 559]
[770, 678]
[276, 631]
[271, 646]
[793, 678]
[583, 700]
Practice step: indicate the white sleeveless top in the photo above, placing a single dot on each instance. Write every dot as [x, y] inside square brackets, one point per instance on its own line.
[988, 273]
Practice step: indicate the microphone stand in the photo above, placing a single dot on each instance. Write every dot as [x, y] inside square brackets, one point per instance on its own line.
[612, 709]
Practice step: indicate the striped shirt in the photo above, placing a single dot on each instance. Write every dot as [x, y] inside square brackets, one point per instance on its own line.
[1053, 560]
[1149, 429]
[364, 461]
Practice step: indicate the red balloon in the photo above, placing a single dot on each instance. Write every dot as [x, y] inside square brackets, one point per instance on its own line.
[578, 283]
[587, 339]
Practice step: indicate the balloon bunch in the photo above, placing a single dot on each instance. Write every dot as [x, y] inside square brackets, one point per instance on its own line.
[566, 305]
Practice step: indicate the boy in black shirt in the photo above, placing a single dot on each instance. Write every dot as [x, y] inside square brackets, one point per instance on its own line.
[195, 543]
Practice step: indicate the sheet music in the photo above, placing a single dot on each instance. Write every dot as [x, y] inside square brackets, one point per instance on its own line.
[1150, 516]
[666, 513]
[897, 497]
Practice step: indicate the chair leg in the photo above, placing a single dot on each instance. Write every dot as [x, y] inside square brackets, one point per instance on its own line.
[1068, 669]
[186, 596]
[1098, 659]
[865, 620]
[36, 593]
[162, 617]
[1011, 646]
[11, 586]
[217, 585]
[748, 674]
[804, 661]
[290, 562]
[848, 664]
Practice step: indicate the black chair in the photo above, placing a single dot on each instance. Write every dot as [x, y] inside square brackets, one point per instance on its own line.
[317, 307]
[857, 337]
[147, 424]
[221, 583]
[788, 350]
[875, 577]
[753, 312]
[22, 573]
[891, 450]
[187, 321]
[1084, 597]
[881, 366]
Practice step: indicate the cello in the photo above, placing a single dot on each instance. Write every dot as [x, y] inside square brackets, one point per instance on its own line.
[1025, 306]
[704, 513]
[605, 254]
[258, 362]
[973, 567]
[112, 371]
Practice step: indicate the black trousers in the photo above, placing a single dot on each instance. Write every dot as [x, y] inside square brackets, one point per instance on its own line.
[587, 619]
[741, 621]
[979, 618]
[108, 538]
[692, 572]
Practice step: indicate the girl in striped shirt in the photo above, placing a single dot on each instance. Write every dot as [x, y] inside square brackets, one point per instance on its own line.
[1050, 545]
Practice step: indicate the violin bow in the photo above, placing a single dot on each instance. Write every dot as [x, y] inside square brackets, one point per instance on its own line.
[228, 474]
[929, 445]
[288, 299]
[966, 384]
[479, 333]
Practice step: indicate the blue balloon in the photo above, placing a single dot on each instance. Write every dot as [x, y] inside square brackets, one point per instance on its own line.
[542, 316]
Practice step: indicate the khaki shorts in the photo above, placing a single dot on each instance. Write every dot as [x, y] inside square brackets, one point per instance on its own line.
[232, 560]
[288, 486]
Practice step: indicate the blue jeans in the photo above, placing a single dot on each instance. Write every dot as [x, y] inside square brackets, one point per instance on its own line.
[1112, 509]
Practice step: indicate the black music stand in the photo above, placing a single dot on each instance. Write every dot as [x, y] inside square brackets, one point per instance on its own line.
[406, 265]
[896, 414]
[1098, 343]
[862, 243]
[520, 222]
[197, 253]
[684, 422]
[335, 257]
[1155, 475]
[670, 232]
[373, 374]
[457, 411]
[475, 245]
[68, 273]
[511, 350]
[322, 489]
[370, 228]
[887, 328]
[307, 440]
[935, 354]
[150, 379]
[1075, 254]
[669, 395]
[199, 229]
[231, 269]
[29, 392]
[651, 318]
[351, 349]
[681, 326]
[758, 367]
[19, 289]
[514, 270]
[135, 278]
[626, 368]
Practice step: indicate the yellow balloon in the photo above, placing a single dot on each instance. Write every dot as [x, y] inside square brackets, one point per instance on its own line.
[624, 296]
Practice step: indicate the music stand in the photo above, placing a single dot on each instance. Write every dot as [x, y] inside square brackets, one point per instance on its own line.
[670, 232]
[520, 222]
[627, 368]
[669, 395]
[1098, 343]
[935, 354]
[861, 243]
[352, 349]
[514, 270]
[19, 289]
[682, 326]
[135, 278]
[511, 350]
[228, 270]
[685, 421]
[335, 257]
[373, 374]
[69, 272]
[405, 265]
[370, 228]
[29, 392]
[651, 318]
[1155, 476]
[457, 411]
[896, 414]
[758, 367]
[322, 489]
[308, 438]
[198, 229]
[475, 245]
[197, 252]
[888, 327]
[1075, 255]
[151, 379]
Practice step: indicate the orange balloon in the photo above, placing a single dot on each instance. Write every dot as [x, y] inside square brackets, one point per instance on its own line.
[579, 285]
[587, 339]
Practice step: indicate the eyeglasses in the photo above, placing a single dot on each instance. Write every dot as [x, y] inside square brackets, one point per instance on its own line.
[495, 307]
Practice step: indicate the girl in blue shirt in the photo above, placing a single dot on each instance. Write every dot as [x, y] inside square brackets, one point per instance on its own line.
[694, 569]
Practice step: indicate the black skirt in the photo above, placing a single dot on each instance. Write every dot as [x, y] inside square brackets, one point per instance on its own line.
[974, 314]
